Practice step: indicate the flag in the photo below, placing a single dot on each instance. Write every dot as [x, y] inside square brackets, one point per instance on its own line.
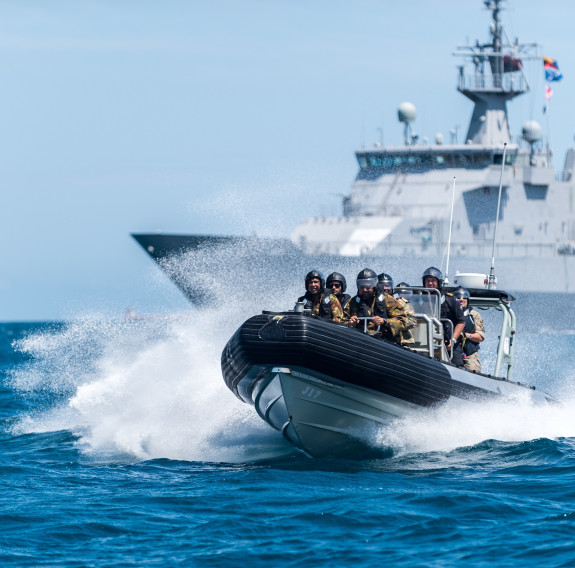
[548, 95]
[552, 72]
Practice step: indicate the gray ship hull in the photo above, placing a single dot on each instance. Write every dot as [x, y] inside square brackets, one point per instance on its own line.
[190, 261]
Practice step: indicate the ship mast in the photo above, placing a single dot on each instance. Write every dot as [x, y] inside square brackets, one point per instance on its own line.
[497, 77]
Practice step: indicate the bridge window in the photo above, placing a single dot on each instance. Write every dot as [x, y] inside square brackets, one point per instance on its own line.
[509, 159]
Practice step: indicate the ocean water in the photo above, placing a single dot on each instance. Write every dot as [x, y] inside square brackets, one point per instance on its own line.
[121, 446]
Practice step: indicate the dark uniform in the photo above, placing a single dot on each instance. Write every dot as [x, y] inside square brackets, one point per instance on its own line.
[451, 310]
[343, 300]
[384, 306]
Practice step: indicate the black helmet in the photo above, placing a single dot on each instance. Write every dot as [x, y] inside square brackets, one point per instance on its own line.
[337, 277]
[367, 277]
[434, 273]
[403, 285]
[461, 293]
[315, 274]
[384, 278]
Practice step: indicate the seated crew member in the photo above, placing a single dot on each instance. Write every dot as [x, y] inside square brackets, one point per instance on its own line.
[337, 284]
[473, 332]
[450, 309]
[406, 336]
[383, 308]
[322, 303]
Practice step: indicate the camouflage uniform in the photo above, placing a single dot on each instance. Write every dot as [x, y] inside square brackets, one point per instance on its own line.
[323, 305]
[382, 305]
[406, 337]
[473, 324]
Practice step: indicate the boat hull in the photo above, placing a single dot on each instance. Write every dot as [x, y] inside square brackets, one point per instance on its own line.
[324, 417]
[329, 388]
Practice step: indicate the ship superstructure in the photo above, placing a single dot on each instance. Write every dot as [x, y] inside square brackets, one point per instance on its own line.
[400, 203]
[401, 198]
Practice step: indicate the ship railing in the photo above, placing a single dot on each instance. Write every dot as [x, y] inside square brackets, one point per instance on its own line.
[506, 82]
[466, 249]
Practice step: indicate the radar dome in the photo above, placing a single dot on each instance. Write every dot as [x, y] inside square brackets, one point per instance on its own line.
[406, 112]
[439, 139]
[531, 131]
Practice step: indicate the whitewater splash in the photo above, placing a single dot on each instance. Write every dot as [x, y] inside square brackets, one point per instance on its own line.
[458, 425]
[143, 390]
[152, 388]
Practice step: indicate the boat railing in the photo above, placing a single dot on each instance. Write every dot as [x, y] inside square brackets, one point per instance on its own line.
[432, 333]
[366, 320]
[449, 324]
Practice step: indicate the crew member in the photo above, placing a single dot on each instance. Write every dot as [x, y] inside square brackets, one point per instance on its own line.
[384, 309]
[451, 310]
[473, 332]
[322, 303]
[337, 284]
[406, 335]
[385, 283]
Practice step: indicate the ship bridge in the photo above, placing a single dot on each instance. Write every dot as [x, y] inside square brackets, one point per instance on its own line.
[374, 163]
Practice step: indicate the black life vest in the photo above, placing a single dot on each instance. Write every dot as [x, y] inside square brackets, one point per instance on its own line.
[324, 304]
[343, 300]
[375, 307]
[451, 310]
[469, 347]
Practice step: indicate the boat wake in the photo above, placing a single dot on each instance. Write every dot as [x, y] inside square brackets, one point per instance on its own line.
[461, 424]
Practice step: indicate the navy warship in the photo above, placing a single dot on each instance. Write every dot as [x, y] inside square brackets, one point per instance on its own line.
[410, 201]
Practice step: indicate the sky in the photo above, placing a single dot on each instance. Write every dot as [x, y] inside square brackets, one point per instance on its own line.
[223, 117]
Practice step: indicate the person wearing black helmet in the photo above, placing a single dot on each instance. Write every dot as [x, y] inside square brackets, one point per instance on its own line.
[385, 285]
[322, 303]
[383, 308]
[450, 309]
[337, 284]
[473, 332]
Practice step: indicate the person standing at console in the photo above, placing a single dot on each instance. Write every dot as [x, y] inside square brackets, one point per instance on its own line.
[451, 310]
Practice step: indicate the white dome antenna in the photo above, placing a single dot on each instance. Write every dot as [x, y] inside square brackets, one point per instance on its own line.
[532, 133]
[406, 113]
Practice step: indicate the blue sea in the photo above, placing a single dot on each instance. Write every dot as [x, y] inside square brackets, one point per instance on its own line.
[121, 446]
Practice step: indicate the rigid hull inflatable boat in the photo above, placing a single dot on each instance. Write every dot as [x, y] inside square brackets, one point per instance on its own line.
[328, 387]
